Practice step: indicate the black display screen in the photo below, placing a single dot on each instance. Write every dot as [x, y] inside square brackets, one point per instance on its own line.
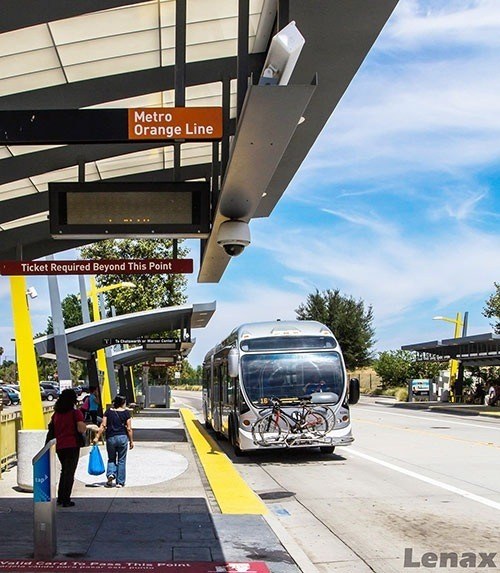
[102, 210]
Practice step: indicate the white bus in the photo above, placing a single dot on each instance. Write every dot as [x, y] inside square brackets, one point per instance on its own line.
[280, 384]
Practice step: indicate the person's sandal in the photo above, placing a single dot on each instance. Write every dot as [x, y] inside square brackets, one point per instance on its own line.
[109, 483]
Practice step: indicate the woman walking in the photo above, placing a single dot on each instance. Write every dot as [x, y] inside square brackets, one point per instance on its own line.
[68, 429]
[118, 425]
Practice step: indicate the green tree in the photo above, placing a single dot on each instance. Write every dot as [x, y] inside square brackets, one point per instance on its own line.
[396, 367]
[152, 291]
[349, 321]
[72, 313]
[492, 308]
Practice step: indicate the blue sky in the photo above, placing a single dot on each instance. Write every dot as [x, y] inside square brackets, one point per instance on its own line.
[397, 203]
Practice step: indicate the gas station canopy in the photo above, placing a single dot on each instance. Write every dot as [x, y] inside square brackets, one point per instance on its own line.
[158, 54]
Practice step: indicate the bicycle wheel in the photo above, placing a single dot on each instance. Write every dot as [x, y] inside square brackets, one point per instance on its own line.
[328, 414]
[316, 423]
[270, 430]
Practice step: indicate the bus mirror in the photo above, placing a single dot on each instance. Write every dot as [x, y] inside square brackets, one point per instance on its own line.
[353, 391]
[233, 363]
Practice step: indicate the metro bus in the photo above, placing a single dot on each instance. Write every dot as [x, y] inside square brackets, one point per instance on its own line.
[296, 364]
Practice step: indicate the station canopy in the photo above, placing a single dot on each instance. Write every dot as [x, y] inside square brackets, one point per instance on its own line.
[85, 339]
[164, 53]
[476, 350]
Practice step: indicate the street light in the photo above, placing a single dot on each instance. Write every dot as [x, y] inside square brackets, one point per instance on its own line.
[454, 368]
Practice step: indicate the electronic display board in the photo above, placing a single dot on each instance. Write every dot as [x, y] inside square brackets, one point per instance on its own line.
[101, 210]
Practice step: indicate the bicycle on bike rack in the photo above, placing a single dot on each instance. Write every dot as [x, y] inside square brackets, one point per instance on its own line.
[308, 424]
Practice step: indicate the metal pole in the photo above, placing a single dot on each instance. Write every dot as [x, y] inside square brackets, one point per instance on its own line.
[83, 299]
[60, 342]
[242, 74]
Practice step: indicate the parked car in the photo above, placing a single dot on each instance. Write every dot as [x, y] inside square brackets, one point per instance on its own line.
[52, 391]
[9, 396]
[78, 390]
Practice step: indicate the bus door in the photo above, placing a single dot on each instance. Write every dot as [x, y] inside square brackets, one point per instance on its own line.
[215, 398]
[227, 397]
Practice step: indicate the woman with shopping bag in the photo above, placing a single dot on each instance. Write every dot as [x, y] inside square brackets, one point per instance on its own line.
[119, 437]
[68, 427]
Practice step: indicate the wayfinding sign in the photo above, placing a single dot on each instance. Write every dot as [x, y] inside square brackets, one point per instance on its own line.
[57, 126]
[100, 267]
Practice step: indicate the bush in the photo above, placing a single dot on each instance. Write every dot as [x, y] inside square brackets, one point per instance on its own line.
[376, 392]
[390, 391]
[401, 395]
[187, 387]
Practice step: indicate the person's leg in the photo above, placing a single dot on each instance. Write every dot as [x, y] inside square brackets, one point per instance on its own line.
[61, 454]
[112, 453]
[122, 448]
[93, 416]
[69, 462]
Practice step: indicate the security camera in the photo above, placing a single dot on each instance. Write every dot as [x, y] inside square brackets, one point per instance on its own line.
[31, 292]
[284, 51]
[233, 236]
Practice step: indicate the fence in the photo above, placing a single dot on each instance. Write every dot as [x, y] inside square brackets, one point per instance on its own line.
[10, 423]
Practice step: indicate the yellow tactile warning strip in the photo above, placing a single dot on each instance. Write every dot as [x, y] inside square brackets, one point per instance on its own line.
[230, 490]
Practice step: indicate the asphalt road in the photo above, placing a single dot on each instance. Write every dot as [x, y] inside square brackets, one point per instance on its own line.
[418, 482]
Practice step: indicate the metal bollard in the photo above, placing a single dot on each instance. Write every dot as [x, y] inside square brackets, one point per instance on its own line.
[44, 501]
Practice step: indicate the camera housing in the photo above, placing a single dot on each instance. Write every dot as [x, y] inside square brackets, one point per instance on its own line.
[233, 236]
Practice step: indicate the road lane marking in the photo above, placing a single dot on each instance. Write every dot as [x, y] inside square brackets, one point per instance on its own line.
[230, 490]
[427, 415]
[427, 433]
[431, 481]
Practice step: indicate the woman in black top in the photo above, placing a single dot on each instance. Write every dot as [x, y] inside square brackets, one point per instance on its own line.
[118, 425]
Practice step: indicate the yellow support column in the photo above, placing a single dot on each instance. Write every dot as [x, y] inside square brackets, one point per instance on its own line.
[101, 354]
[132, 379]
[454, 363]
[29, 383]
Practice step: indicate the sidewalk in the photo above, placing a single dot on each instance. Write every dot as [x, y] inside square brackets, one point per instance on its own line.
[166, 513]
[447, 408]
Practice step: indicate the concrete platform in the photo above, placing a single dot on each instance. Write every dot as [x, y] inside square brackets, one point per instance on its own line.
[166, 512]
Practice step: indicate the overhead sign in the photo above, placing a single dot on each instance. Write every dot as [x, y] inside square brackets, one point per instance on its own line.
[105, 210]
[59, 126]
[101, 267]
[175, 123]
[153, 342]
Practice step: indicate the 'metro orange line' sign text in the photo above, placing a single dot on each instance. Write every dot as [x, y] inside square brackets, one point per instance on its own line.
[175, 123]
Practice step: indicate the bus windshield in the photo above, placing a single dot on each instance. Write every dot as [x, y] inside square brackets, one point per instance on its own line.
[291, 375]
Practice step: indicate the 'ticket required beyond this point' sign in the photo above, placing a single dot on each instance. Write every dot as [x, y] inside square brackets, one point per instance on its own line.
[102, 267]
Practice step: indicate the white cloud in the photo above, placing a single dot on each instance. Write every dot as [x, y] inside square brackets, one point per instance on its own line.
[252, 302]
[411, 112]
[394, 274]
[454, 22]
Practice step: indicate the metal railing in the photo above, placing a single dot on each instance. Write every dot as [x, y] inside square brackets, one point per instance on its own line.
[10, 424]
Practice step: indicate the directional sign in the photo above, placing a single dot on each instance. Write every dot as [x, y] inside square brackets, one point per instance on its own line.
[100, 267]
[58, 126]
[154, 342]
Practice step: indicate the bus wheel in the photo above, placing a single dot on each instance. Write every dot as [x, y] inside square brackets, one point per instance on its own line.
[327, 449]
